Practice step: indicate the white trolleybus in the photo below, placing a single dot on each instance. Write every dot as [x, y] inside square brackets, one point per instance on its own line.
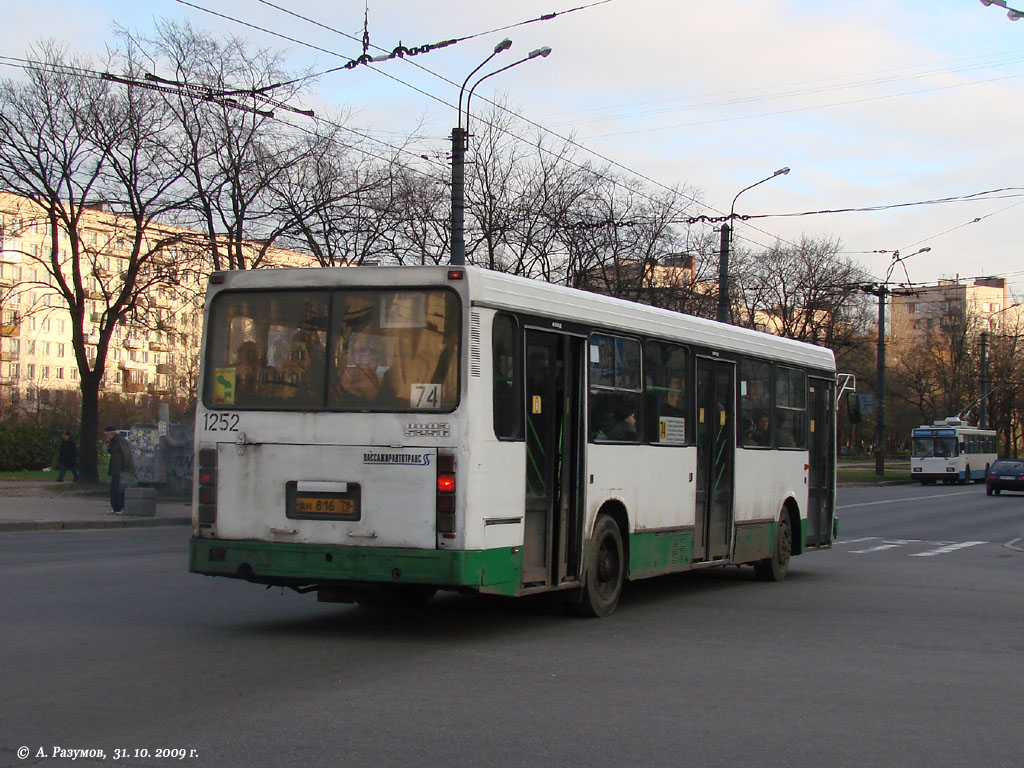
[951, 451]
[375, 434]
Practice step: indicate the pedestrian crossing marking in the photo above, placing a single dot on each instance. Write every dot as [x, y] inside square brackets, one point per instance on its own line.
[948, 548]
[937, 547]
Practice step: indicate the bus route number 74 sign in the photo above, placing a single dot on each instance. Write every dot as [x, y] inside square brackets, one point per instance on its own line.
[425, 396]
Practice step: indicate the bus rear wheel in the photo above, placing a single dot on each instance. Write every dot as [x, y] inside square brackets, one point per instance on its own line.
[776, 567]
[606, 570]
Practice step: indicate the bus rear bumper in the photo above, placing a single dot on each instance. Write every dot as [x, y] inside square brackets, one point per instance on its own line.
[936, 477]
[494, 571]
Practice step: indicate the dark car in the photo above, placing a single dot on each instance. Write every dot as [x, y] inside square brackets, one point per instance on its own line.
[1005, 475]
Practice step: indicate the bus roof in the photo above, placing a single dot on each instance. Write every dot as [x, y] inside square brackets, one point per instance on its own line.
[503, 291]
[498, 290]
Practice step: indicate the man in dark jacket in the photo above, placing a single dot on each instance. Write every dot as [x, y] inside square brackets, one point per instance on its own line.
[68, 457]
[120, 465]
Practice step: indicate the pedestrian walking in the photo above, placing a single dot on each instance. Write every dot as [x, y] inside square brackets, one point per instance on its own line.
[121, 466]
[67, 457]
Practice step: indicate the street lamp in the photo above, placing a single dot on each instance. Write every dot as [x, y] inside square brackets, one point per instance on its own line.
[1011, 13]
[460, 142]
[723, 260]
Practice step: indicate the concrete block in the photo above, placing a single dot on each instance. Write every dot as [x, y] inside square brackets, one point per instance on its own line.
[140, 502]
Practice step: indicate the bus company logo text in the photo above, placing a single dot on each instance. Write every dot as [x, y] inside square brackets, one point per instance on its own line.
[409, 459]
[439, 429]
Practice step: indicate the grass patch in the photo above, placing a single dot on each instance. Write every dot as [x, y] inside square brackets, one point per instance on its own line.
[867, 474]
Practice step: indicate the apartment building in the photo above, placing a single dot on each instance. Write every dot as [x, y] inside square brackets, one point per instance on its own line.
[981, 305]
[155, 352]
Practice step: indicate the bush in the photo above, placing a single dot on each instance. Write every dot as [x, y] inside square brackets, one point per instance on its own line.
[27, 447]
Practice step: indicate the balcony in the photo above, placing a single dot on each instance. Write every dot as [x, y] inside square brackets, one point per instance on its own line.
[158, 346]
[10, 330]
[133, 387]
[165, 369]
[131, 343]
[158, 389]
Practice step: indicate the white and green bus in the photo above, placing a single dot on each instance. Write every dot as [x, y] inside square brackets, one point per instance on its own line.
[375, 434]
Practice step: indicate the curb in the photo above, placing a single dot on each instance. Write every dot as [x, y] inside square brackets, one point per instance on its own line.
[80, 525]
[875, 483]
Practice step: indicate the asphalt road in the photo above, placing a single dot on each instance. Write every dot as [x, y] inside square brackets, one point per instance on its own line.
[903, 646]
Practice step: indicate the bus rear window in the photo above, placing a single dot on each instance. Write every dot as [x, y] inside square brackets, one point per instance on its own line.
[377, 350]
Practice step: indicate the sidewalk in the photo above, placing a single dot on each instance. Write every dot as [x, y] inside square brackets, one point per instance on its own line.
[52, 506]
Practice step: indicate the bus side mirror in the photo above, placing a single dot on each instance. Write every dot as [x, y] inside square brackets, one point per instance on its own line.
[853, 407]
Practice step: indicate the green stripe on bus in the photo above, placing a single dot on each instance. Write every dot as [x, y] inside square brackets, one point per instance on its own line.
[651, 554]
[496, 571]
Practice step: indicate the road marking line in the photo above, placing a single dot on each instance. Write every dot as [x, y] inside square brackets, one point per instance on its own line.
[854, 541]
[900, 501]
[948, 548]
[879, 548]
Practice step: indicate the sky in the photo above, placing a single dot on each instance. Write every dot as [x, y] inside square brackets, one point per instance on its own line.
[871, 103]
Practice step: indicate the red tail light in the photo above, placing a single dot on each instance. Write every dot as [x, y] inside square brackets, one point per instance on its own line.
[445, 509]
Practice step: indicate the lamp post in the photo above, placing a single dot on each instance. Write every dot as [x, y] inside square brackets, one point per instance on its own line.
[881, 291]
[460, 142]
[1011, 13]
[723, 259]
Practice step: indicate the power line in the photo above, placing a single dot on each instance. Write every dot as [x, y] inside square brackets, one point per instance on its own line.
[990, 194]
[802, 109]
[754, 94]
[565, 139]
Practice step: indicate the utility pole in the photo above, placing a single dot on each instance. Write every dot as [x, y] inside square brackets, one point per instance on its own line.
[723, 276]
[982, 412]
[724, 305]
[881, 291]
[880, 395]
[460, 139]
[458, 195]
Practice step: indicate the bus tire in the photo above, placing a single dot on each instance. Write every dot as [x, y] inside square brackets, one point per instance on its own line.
[774, 568]
[606, 570]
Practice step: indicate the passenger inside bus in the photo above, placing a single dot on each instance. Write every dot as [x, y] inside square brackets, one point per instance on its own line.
[250, 371]
[363, 361]
[762, 432]
[624, 429]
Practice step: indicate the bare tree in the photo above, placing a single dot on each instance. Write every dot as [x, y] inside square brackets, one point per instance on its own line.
[73, 145]
[235, 152]
[807, 291]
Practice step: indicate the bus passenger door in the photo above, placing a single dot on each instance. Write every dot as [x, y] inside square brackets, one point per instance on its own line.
[552, 537]
[716, 383]
[821, 457]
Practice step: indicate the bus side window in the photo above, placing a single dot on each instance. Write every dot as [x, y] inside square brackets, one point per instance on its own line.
[506, 367]
[790, 408]
[665, 399]
[755, 395]
[615, 389]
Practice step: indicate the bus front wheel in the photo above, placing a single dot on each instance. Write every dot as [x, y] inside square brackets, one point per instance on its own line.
[606, 570]
[774, 568]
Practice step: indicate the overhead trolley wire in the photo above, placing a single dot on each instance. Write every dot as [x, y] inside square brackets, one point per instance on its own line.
[440, 100]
